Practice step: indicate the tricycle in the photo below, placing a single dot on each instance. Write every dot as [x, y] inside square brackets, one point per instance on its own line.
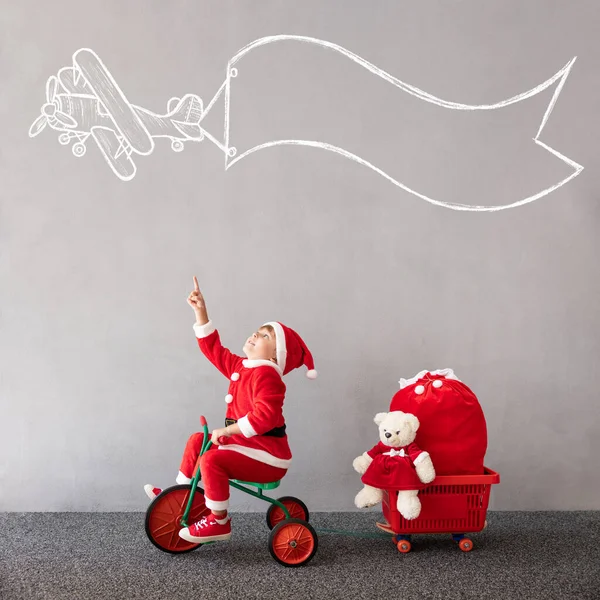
[292, 540]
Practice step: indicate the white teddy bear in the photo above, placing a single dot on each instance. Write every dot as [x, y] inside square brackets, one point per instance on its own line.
[395, 463]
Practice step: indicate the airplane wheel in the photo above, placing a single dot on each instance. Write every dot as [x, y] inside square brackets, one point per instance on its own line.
[79, 149]
[64, 139]
[177, 145]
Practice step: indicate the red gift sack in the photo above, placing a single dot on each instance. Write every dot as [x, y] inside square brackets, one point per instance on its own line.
[453, 428]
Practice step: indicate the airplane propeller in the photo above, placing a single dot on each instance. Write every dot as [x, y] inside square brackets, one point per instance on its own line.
[51, 110]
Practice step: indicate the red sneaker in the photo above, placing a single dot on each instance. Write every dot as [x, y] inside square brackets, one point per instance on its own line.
[151, 491]
[207, 529]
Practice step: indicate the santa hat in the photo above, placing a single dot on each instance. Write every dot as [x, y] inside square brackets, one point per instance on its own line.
[291, 350]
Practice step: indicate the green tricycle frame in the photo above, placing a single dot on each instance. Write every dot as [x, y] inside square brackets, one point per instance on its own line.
[292, 541]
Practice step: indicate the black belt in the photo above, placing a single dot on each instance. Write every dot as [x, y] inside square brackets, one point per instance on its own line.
[275, 432]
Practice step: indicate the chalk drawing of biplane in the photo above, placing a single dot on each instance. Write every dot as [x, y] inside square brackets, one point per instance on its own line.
[84, 100]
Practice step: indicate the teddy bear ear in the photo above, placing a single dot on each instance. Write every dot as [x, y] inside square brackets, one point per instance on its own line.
[413, 422]
[379, 417]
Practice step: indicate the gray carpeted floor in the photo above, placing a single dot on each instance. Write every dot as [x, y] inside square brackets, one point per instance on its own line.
[89, 556]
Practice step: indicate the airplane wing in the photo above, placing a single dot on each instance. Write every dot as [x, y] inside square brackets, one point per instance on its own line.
[110, 95]
[116, 152]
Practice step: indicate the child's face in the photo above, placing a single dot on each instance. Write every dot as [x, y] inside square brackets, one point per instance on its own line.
[261, 345]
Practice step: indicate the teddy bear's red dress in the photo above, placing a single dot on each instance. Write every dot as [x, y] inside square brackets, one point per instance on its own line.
[394, 468]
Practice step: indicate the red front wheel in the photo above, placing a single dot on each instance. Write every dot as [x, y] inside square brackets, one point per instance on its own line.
[293, 543]
[163, 518]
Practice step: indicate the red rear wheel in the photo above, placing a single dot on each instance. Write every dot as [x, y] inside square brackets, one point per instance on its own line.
[466, 545]
[293, 542]
[163, 518]
[295, 507]
[404, 546]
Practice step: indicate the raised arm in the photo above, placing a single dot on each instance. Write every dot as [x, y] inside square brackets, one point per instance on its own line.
[208, 337]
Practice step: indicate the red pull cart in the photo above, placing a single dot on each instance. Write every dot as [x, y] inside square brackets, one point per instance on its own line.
[455, 504]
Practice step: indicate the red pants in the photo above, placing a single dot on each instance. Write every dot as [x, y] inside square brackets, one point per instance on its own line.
[218, 467]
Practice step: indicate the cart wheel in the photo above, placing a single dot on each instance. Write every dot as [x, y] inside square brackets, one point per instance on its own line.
[466, 545]
[404, 546]
[163, 518]
[295, 507]
[293, 542]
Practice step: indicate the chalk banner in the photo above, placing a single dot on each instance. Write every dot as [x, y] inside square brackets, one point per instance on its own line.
[291, 106]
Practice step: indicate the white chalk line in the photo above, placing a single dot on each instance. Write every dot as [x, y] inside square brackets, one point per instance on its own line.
[561, 75]
[410, 89]
[230, 152]
[450, 205]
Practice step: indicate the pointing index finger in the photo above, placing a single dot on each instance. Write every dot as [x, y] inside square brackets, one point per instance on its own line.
[196, 286]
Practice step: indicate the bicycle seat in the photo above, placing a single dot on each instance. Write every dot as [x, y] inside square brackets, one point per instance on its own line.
[261, 486]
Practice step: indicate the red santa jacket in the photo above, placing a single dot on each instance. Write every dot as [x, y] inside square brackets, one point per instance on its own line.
[255, 400]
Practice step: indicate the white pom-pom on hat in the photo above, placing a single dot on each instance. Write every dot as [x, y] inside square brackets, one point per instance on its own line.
[312, 374]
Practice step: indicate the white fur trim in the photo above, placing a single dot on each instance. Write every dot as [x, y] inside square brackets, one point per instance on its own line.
[229, 398]
[419, 389]
[182, 479]
[246, 428]
[447, 373]
[259, 455]
[421, 458]
[312, 374]
[203, 331]
[235, 376]
[281, 345]
[251, 364]
[216, 504]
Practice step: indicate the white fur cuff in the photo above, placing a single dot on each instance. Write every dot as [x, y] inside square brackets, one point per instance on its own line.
[182, 479]
[216, 504]
[246, 428]
[203, 331]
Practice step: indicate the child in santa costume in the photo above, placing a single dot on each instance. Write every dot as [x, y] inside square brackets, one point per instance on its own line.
[256, 447]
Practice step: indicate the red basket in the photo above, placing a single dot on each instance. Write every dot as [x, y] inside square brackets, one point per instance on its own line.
[449, 504]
